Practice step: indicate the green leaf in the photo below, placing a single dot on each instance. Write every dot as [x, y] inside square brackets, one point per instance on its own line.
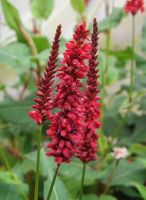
[124, 54]
[78, 5]
[127, 173]
[102, 144]
[16, 55]
[143, 43]
[71, 176]
[140, 129]
[141, 189]
[16, 112]
[12, 17]
[112, 20]
[138, 149]
[107, 197]
[113, 72]
[90, 196]
[41, 42]
[75, 169]
[59, 190]
[47, 167]
[42, 10]
[11, 188]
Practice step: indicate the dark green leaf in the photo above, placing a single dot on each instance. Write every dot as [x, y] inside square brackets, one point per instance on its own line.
[107, 197]
[141, 189]
[140, 129]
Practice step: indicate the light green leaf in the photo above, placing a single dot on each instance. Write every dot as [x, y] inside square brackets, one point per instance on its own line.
[42, 10]
[112, 20]
[12, 17]
[122, 55]
[17, 55]
[41, 42]
[78, 5]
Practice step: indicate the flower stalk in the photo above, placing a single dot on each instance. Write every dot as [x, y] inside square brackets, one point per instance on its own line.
[38, 164]
[4, 157]
[82, 181]
[132, 61]
[53, 181]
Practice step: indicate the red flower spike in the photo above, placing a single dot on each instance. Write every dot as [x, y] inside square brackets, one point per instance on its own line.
[133, 6]
[66, 124]
[44, 94]
[88, 139]
[86, 2]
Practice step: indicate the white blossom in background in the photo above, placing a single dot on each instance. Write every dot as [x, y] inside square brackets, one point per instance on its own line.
[120, 152]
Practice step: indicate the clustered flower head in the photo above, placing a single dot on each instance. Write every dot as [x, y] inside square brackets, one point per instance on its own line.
[69, 121]
[133, 6]
[44, 101]
[72, 130]
[88, 141]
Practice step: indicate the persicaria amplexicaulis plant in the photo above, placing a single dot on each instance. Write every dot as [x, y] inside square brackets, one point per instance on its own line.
[72, 129]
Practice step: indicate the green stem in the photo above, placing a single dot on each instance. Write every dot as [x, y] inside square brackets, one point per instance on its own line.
[105, 70]
[82, 180]
[132, 61]
[4, 157]
[53, 182]
[109, 178]
[38, 164]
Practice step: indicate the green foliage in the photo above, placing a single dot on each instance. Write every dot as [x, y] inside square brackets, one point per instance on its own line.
[112, 20]
[41, 43]
[107, 197]
[42, 10]
[141, 189]
[11, 187]
[78, 5]
[16, 55]
[9, 107]
[12, 17]
[128, 172]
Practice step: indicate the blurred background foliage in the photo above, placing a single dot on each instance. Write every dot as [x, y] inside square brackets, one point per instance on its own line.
[23, 59]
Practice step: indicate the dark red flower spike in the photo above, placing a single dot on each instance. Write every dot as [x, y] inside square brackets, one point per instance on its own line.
[44, 101]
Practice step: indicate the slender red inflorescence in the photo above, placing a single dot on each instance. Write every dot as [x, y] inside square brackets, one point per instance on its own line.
[44, 94]
[86, 2]
[88, 142]
[67, 123]
[133, 6]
